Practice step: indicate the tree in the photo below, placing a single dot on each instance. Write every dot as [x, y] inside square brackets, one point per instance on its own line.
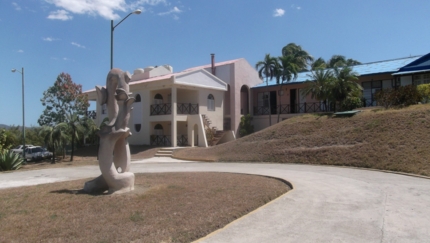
[54, 136]
[299, 57]
[74, 126]
[245, 126]
[287, 69]
[64, 97]
[344, 84]
[319, 87]
[318, 64]
[341, 61]
[267, 69]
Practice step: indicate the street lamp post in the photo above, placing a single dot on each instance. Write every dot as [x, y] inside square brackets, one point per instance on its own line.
[23, 112]
[112, 28]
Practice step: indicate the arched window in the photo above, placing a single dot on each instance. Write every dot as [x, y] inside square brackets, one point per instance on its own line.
[158, 130]
[211, 102]
[137, 127]
[158, 99]
[137, 99]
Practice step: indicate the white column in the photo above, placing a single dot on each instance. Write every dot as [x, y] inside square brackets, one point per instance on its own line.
[174, 111]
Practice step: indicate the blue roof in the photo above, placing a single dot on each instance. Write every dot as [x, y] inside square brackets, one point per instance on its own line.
[372, 68]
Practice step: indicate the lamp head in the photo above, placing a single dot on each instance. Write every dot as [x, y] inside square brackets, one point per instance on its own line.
[137, 11]
[13, 70]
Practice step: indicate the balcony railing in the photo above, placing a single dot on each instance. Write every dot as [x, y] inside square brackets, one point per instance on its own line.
[161, 109]
[160, 140]
[189, 108]
[92, 114]
[164, 140]
[182, 108]
[298, 108]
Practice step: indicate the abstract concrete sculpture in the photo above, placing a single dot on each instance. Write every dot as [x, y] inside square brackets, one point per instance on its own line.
[114, 151]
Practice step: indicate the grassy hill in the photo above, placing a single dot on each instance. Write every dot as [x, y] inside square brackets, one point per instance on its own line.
[395, 140]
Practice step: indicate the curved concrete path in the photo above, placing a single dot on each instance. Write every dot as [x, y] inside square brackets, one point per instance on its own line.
[327, 204]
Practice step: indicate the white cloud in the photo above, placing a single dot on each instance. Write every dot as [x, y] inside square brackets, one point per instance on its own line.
[78, 45]
[60, 14]
[20, 51]
[49, 39]
[17, 7]
[278, 12]
[293, 6]
[174, 10]
[103, 8]
[66, 59]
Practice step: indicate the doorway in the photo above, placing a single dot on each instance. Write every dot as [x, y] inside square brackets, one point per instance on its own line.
[293, 98]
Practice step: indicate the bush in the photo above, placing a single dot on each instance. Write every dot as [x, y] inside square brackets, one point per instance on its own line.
[424, 91]
[245, 126]
[10, 160]
[402, 96]
[352, 103]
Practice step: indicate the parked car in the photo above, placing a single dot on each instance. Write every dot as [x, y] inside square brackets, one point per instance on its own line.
[46, 154]
[33, 153]
[18, 149]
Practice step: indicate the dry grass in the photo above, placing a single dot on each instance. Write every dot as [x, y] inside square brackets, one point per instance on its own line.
[88, 156]
[397, 140]
[168, 207]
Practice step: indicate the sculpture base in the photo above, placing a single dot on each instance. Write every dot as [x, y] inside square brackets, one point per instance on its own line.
[121, 185]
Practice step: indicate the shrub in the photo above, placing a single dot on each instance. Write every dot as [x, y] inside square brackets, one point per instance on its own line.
[424, 90]
[402, 96]
[245, 126]
[10, 160]
[352, 103]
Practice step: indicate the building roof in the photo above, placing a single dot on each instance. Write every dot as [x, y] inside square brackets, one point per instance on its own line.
[170, 75]
[372, 68]
[422, 64]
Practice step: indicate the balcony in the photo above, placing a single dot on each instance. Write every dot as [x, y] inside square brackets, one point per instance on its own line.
[92, 114]
[291, 109]
[166, 109]
[165, 140]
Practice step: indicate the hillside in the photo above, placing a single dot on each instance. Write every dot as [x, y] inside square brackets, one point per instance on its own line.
[395, 140]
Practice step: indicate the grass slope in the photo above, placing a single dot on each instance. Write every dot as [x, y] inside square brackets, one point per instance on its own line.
[396, 140]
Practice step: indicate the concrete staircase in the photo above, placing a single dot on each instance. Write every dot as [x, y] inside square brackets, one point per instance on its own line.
[165, 152]
[217, 134]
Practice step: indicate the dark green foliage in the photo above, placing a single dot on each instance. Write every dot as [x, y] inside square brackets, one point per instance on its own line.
[352, 103]
[245, 126]
[400, 97]
[7, 139]
[10, 160]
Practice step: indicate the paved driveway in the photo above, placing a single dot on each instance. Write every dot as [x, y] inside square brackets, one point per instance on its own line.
[327, 204]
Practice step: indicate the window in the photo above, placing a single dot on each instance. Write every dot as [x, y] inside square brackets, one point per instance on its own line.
[422, 79]
[263, 99]
[137, 127]
[137, 99]
[211, 103]
[158, 130]
[158, 99]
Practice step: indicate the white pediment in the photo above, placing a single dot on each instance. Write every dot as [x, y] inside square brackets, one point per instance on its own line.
[200, 78]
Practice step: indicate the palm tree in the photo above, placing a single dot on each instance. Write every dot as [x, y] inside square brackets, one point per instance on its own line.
[344, 84]
[319, 64]
[319, 86]
[267, 69]
[341, 61]
[300, 57]
[288, 68]
[54, 137]
[73, 124]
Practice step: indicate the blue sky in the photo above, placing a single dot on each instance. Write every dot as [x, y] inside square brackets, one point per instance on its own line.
[48, 37]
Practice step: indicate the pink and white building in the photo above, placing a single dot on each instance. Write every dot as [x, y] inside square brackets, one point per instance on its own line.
[175, 109]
